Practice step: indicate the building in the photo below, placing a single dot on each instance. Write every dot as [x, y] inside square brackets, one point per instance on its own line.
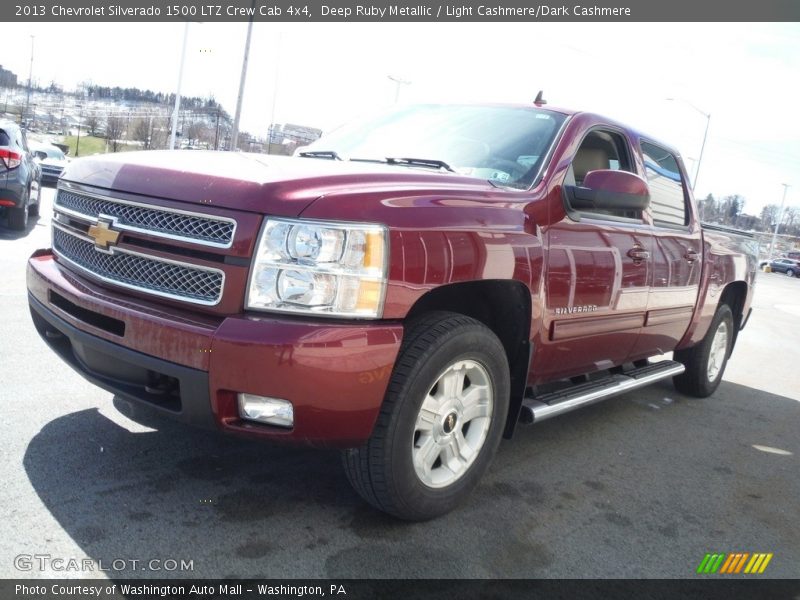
[7, 78]
[284, 138]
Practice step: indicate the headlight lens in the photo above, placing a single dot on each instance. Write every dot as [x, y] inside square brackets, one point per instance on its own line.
[336, 269]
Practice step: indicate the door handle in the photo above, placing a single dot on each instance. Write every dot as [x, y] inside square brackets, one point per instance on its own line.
[691, 255]
[638, 254]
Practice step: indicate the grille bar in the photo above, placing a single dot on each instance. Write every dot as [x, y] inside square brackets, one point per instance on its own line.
[169, 279]
[158, 221]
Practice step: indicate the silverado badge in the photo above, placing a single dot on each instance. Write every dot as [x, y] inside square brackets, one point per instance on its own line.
[568, 310]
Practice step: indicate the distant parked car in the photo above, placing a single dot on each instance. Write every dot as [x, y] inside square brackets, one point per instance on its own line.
[788, 266]
[51, 159]
[19, 176]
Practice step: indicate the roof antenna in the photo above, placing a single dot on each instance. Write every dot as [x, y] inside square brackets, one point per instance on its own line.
[539, 99]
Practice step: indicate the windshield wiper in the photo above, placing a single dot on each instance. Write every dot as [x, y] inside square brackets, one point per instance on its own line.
[420, 162]
[329, 154]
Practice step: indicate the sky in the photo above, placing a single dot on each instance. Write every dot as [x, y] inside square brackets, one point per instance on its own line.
[745, 75]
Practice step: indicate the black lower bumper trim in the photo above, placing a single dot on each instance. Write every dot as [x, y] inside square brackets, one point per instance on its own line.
[147, 382]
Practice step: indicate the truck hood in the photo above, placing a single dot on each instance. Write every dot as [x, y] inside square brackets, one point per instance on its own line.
[266, 184]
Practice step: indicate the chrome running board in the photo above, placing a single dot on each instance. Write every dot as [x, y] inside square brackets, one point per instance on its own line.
[559, 402]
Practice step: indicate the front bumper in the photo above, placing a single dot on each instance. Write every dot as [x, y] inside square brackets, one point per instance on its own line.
[191, 367]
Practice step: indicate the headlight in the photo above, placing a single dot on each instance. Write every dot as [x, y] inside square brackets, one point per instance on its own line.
[316, 267]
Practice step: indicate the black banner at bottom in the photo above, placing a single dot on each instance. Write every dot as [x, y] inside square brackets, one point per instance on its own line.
[374, 589]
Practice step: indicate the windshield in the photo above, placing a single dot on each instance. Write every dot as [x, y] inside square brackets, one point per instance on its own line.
[505, 145]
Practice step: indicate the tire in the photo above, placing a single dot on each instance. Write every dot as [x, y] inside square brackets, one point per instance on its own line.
[705, 363]
[18, 218]
[33, 209]
[790, 273]
[420, 464]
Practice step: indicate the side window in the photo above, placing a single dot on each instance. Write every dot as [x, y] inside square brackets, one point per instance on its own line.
[667, 189]
[601, 150]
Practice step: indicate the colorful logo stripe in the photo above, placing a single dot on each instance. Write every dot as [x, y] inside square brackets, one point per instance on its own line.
[734, 563]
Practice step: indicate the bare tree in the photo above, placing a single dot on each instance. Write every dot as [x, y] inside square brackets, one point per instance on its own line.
[768, 216]
[790, 216]
[199, 133]
[143, 131]
[92, 123]
[730, 208]
[115, 125]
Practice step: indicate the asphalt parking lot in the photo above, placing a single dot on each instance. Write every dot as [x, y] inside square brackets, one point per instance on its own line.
[642, 485]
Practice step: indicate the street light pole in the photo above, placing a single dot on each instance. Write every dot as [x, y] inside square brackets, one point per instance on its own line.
[778, 220]
[398, 81]
[702, 148]
[705, 137]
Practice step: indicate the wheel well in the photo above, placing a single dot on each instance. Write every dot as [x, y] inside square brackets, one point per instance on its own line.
[504, 307]
[734, 296]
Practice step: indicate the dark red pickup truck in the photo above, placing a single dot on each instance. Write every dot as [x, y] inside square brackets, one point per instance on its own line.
[407, 289]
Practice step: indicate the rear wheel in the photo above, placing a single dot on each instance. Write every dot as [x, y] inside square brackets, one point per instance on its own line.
[705, 363]
[790, 272]
[441, 420]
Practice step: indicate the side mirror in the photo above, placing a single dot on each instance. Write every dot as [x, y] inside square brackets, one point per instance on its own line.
[609, 190]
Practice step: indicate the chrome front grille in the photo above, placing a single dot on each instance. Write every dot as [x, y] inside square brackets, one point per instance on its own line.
[160, 222]
[166, 278]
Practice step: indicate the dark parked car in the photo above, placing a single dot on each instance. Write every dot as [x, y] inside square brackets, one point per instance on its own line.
[788, 266]
[52, 161]
[19, 176]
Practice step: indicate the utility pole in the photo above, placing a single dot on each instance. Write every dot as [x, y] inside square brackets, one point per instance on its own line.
[30, 79]
[778, 222]
[216, 134]
[274, 94]
[235, 134]
[78, 143]
[178, 91]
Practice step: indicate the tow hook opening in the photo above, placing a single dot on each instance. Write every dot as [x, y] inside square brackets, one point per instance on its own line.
[159, 384]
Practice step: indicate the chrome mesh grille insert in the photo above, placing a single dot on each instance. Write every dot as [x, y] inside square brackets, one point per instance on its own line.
[175, 224]
[151, 275]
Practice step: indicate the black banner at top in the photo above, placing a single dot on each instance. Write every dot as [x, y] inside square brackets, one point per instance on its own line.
[633, 11]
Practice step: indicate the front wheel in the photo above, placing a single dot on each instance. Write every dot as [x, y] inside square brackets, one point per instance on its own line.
[790, 273]
[441, 420]
[705, 363]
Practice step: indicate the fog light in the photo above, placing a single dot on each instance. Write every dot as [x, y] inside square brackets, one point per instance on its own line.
[264, 409]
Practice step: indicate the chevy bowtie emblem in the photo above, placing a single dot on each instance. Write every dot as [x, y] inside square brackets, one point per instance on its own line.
[103, 235]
